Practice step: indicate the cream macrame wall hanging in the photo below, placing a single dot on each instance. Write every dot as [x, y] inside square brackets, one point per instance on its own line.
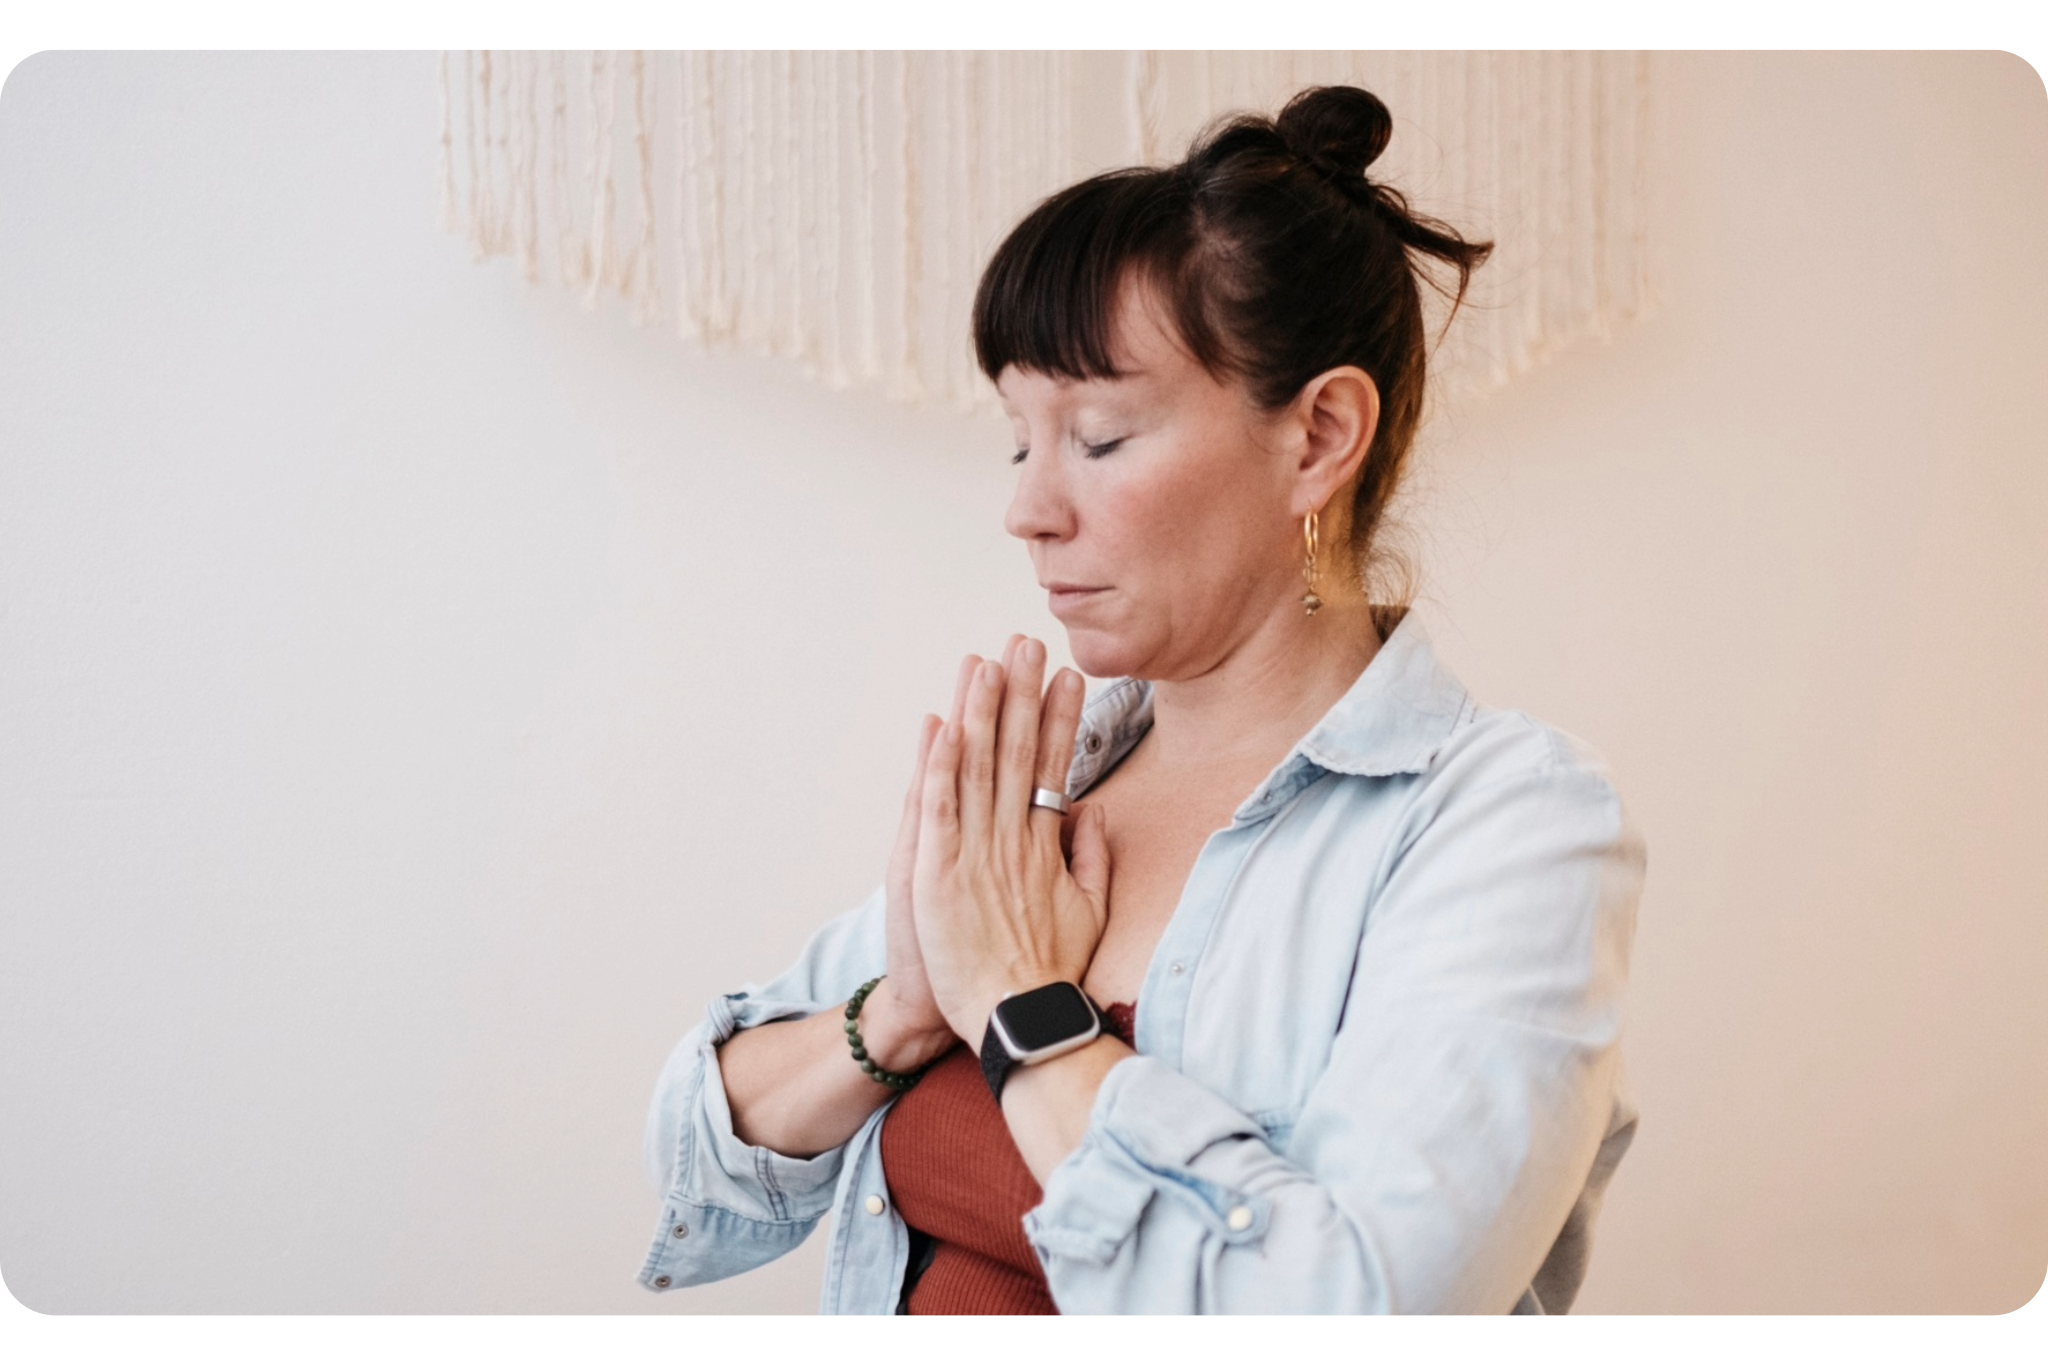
[836, 208]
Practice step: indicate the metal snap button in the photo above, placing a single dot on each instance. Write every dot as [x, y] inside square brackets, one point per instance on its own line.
[876, 1204]
[1240, 1218]
[680, 1230]
[662, 1282]
[1093, 744]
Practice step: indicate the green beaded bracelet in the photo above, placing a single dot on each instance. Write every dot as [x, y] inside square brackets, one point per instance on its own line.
[895, 1080]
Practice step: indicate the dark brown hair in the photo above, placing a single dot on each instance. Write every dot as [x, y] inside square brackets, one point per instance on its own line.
[1275, 255]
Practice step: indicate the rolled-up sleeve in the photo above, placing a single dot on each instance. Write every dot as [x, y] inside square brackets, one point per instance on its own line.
[1439, 1157]
[729, 1206]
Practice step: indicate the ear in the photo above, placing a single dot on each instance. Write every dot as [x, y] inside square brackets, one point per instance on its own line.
[1338, 412]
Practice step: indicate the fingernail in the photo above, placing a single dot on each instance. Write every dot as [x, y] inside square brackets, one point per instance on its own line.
[991, 675]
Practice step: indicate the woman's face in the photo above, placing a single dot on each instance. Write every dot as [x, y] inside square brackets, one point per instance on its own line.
[1157, 506]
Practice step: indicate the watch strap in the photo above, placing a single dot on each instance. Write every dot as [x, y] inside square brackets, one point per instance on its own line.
[996, 1062]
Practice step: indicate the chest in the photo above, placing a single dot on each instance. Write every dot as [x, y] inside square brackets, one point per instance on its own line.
[1156, 829]
[1258, 948]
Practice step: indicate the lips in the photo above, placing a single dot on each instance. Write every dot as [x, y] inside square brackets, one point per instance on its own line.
[1070, 594]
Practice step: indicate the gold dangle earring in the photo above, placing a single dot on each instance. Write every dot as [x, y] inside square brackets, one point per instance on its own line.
[1309, 600]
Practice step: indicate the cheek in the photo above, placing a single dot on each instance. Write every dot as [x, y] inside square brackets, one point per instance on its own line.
[1138, 522]
[1191, 524]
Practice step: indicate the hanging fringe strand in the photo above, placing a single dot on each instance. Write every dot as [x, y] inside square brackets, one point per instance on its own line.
[836, 207]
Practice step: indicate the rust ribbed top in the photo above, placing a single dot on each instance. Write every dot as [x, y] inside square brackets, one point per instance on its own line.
[960, 1184]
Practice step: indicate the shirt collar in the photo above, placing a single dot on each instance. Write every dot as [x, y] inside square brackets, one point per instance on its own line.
[1393, 719]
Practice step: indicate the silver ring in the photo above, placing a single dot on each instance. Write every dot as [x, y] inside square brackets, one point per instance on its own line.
[1050, 799]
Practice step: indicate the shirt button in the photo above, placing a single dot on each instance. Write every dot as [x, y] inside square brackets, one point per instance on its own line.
[1240, 1218]
[662, 1282]
[876, 1203]
[1093, 744]
[680, 1230]
[1175, 968]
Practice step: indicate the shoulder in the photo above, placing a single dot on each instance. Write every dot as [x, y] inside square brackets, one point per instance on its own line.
[1493, 744]
[1516, 844]
[1501, 766]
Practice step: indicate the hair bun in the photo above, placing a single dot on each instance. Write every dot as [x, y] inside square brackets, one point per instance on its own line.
[1339, 129]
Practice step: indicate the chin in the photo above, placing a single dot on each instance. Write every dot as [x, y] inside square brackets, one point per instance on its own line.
[1104, 653]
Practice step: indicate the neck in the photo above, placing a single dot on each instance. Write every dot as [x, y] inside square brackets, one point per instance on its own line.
[1266, 693]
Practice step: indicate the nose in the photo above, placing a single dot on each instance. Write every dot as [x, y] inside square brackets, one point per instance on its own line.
[1040, 509]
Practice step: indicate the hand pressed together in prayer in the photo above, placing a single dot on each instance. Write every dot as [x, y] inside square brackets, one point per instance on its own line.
[979, 902]
[1004, 896]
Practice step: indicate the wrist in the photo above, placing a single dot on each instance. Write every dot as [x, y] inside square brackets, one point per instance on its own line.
[1084, 1068]
[895, 1041]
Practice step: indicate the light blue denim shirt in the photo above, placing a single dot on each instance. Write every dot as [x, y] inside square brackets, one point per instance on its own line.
[1377, 1061]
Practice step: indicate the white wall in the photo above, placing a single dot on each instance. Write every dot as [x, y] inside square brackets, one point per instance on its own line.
[417, 696]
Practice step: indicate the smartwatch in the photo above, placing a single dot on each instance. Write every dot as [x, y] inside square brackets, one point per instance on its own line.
[1036, 1026]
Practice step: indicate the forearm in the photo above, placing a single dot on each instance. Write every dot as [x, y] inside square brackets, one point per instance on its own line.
[793, 1086]
[1394, 1194]
[1239, 1228]
[1047, 1106]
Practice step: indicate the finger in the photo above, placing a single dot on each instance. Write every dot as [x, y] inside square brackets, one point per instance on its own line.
[904, 857]
[1058, 722]
[1091, 854]
[927, 731]
[938, 829]
[978, 755]
[1017, 737]
[965, 681]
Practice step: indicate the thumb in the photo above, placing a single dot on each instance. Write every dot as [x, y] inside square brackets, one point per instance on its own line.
[1090, 863]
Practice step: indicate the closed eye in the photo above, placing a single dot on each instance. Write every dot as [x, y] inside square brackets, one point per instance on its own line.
[1096, 452]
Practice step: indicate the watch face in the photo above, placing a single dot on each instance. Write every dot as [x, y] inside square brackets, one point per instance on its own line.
[1051, 1014]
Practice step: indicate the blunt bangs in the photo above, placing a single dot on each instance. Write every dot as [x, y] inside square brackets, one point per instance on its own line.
[1047, 301]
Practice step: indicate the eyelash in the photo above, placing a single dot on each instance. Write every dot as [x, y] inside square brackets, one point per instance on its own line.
[1095, 452]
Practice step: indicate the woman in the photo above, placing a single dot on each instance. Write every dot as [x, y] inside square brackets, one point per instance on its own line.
[1359, 943]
